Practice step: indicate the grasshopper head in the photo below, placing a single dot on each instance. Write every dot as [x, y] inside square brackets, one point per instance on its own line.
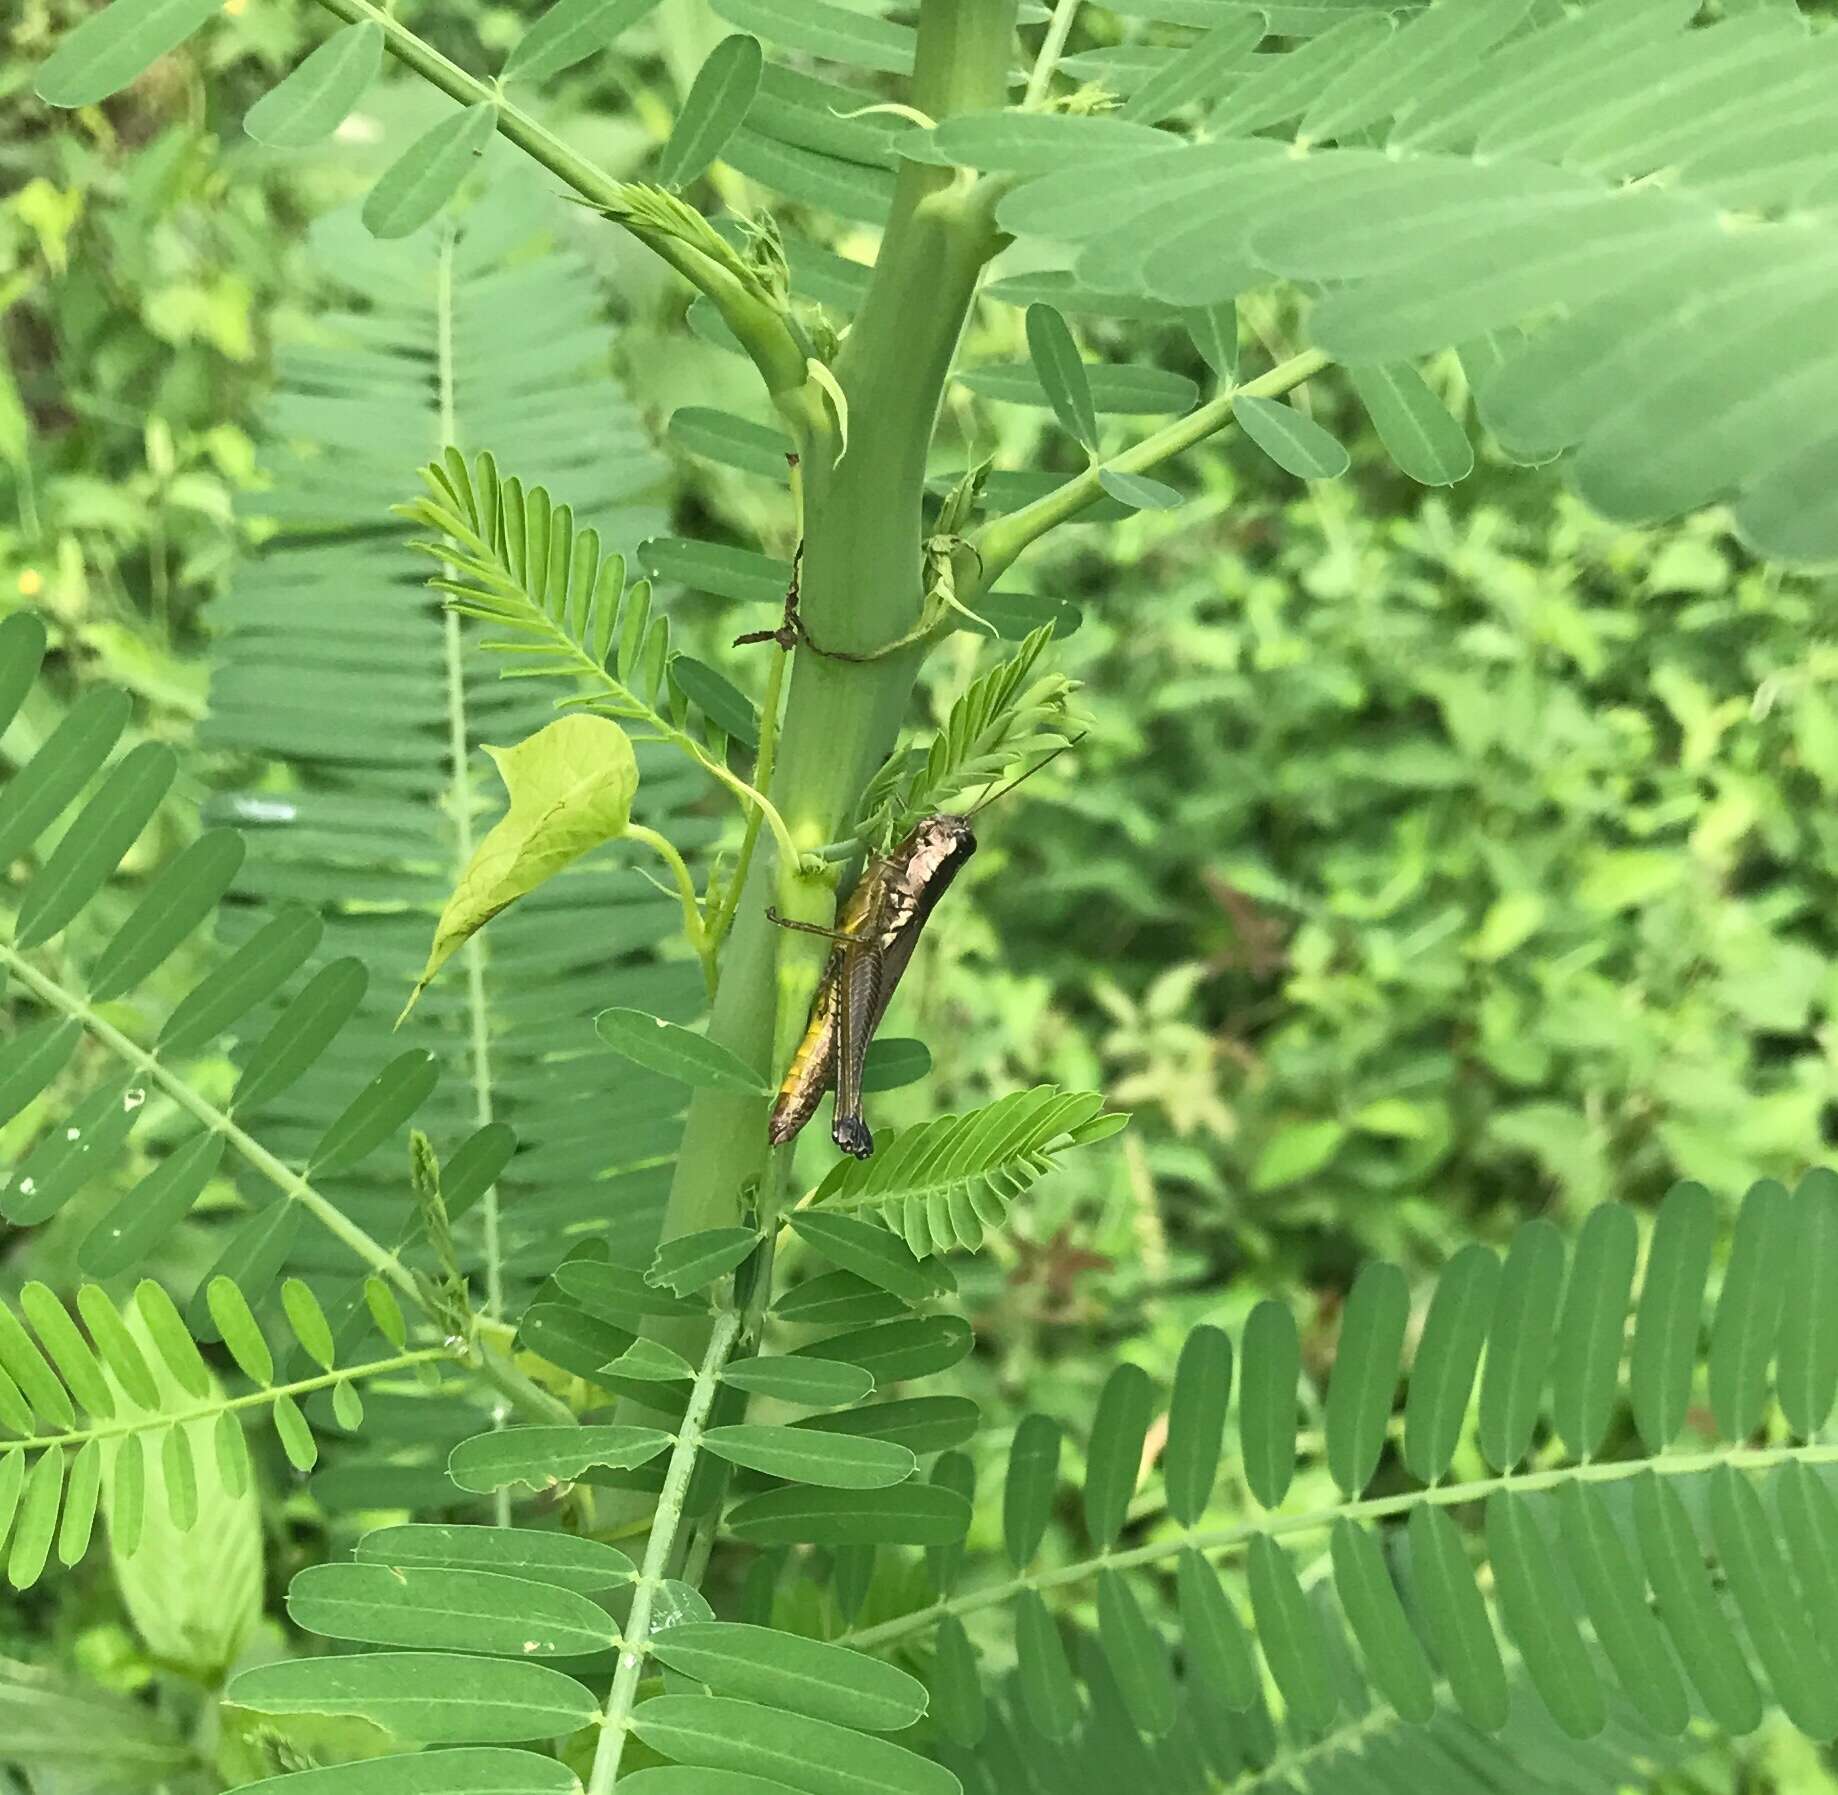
[942, 837]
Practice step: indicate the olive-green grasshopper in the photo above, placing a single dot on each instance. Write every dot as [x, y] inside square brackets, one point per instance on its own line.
[873, 944]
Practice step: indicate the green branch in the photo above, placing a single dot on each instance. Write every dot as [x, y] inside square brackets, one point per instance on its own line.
[668, 1518]
[693, 926]
[1314, 1520]
[658, 220]
[459, 803]
[723, 918]
[208, 1411]
[1052, 47]
[291, 1184]
[998, 543]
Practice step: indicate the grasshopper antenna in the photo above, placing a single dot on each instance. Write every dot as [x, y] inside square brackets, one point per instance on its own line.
[1002, 791]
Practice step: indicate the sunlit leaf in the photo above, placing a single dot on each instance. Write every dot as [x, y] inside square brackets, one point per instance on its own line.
[570, 788]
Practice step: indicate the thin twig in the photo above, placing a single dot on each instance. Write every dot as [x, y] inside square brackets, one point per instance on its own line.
[763, 330]
[1059, 28]
[294, 1186]
[1239, 1536]
[615, 1723]
[998, 543]
[686, 895]
[267, 1396]
[723, 919]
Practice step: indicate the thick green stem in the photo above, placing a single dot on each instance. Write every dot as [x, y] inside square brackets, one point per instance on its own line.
[861, 577]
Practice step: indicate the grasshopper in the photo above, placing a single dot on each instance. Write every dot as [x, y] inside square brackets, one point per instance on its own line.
[872, 946]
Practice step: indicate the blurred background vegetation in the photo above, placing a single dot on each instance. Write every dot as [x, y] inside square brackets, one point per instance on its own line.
[1433, 859]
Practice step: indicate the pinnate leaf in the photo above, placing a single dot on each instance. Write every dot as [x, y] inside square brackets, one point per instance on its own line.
[462, 1770]
[791, 1377]
[829, 1460]
[439, 1609]
[691, 1262]
[565, 1560]
[806, 1676]
[569, 32]
[910, 1513]
[430, 1697]
[717, 1733]
[1062, 373]
[1138, 491]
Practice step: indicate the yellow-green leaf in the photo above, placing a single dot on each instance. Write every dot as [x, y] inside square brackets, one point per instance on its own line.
[570, 787]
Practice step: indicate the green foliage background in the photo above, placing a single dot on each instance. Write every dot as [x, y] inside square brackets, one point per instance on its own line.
[1436, 858]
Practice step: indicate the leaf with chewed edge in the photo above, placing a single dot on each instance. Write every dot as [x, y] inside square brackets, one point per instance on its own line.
[543, 1456]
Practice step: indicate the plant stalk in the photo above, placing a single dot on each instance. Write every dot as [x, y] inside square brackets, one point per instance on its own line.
[764, 332]
[293, 1186]
[860, 588]
[265, 1397]
[615, 1722]
[997, 544]
[1238, 1537]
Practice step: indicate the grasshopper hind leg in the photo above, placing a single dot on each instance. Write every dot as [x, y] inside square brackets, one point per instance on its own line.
[852, 1135]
